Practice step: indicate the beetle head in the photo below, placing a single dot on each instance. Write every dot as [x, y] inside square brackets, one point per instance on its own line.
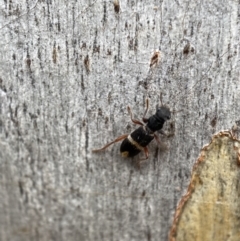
[163, 112]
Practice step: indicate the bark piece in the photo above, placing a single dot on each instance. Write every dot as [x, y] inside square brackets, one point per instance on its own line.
[210, 210]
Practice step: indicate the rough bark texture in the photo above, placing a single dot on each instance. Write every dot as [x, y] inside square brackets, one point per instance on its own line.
[210, 210]
[68, 70]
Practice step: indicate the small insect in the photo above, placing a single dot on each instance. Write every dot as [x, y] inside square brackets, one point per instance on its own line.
[137, 141]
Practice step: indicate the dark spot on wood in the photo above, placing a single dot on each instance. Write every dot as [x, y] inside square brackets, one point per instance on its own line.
[76, 61]
[14, 56]
[82, 82]
[86, 146]
[109, 97]
[237, 122]
[84, 45]
[155, 156]
[32, 116]
[54, 55]
[149, 235]
[106, 120]
[229, 57]
[109, 52]
[155, 58]
[136, 44]
[28, 62]
[33, 81]
[116, 6]
[212, 96]
[192, 30]
[39, 54]
[16, 111]
[99, 112]
[9, 6]
[213, 121]
[186, 49]
[96, 49]
[128, 127]
[14, 120]
[104, 12]
[24, 108]
[87, 63]
[172, 126]
[144, 84]
[35, 124]
[20, 185]
[119, 50]
[2, 86]
[67, 50]
[137, 17]
[59, 26]
[130, 178]
[143, 193]
[130, 44]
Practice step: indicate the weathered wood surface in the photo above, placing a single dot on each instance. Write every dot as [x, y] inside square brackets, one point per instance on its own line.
[68, 71]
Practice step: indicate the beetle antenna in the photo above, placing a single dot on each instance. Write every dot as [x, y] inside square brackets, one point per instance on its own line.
[161, 99]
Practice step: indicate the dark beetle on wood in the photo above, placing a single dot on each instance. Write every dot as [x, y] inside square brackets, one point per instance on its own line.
[138, 140]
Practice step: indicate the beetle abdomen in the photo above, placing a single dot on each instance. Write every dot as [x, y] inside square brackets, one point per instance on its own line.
[135, 142]
[128, 149]
[141, 136]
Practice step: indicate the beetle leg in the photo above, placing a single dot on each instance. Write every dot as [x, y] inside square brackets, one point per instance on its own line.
[161, 145]
[157, 139]
[145, 120]
[134, 120]
[168, 134]
[112, 142]
[146, 152]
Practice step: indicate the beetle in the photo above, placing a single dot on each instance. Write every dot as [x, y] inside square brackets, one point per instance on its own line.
[138, 140]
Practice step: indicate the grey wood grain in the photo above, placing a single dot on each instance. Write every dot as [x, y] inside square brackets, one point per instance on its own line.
[68, 71]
